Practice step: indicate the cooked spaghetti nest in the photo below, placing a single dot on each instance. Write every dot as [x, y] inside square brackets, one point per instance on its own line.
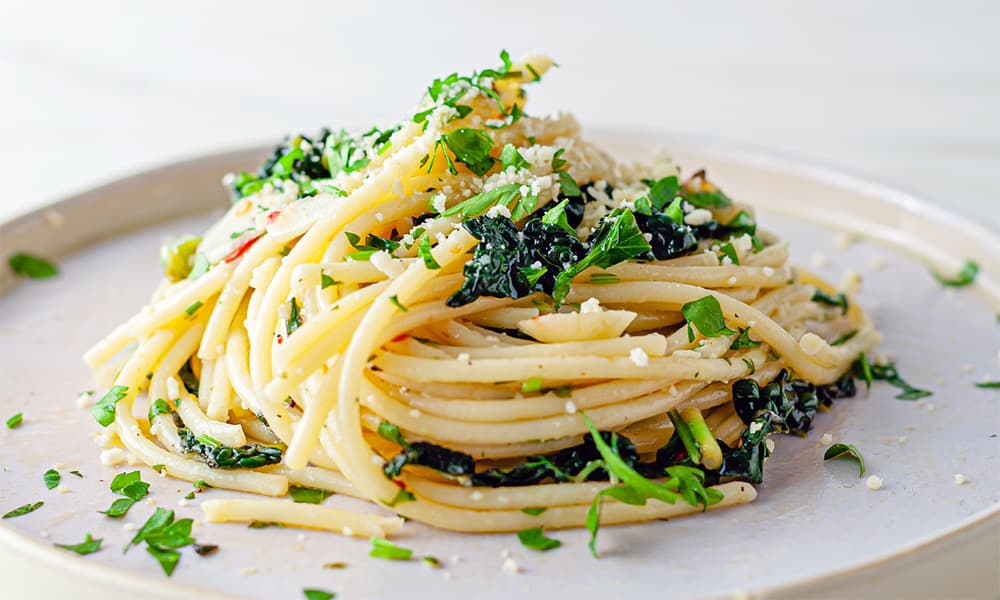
[422, 316]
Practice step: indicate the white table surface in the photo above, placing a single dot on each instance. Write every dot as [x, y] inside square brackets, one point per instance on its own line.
[905, 92]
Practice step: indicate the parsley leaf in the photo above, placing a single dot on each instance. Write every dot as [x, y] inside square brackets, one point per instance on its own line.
[535, 539]
[394, 299]
[23, 510]
[51, 478]
[89, 545]
[104, 409]
[615, 240]
[534, 510]
[315, 594]
[472, 147]
[846, 450]
[425, 253]
[966, 275]
[706, 314]
[327, 281]
[391, 432]
[743, 341]
[839, 299]
[987, 384]
[385, 549]
[510, 157]
[401, 496]
[132, 487]
[480, 203]
[889, 374]
[34, 267]
[15, 420]
[307, 495]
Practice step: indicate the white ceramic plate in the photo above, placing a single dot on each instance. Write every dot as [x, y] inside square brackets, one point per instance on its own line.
[815, 527]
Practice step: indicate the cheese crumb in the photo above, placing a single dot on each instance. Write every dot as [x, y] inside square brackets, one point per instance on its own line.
[850, 283]
[464, 357]
[844, 239]
[901, 439]
[731, 280]
[768, 271]
[85, 399]
[961, 479]
[698, 216]
[54, 218]
[826, 439]
[476, 495]
[112, 457]
[498, 210]
[570, 407]
[439, 203]
[590, 305]
[874, 482]
[248, 571]
[639, 357]
[755, 426]
[128, 527]
[62, 489]
[818, 260]
[968, 368]
[347, 531]
[511, 566]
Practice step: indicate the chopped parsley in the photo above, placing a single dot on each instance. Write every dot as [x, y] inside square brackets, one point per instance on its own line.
[385, 549]
[844, 337]
[104, 409]
[470, 147]
[987, 384]
[15, 420]
[534, 511]
[190, 310]
[889, 374]
[89, 545]
[308, 495]
[966, 275]
[839, 299]
[531, 385]
[394, 299]
[603, 278]
[327, 281]
[510, 157]
[33, 267]
[132, 489]
[23, 510]
[391, 432]
[846, 451]
[163, 536]
[317, 594]
[706, 314]
[743, 341]
[536, 539]
[425, 253]
[294, 317]
[51, 479]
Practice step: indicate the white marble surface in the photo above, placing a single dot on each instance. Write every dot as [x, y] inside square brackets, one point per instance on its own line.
[905, 92]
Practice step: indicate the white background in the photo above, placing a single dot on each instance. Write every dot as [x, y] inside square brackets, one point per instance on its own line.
[904, 92]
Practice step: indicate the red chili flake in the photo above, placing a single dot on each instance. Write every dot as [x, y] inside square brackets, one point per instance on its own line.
[272, 216]
[238, 252]
[400, 484]
[400, 337]
[280, 338]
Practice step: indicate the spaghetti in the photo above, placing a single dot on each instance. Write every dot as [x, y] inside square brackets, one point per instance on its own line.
[480, 319]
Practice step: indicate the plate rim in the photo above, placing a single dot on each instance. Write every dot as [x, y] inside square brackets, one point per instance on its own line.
[744, 154]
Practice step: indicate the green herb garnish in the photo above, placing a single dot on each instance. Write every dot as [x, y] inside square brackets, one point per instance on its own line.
[34, 267]
[887, 373]
[385, 549]
[308, 495]
[104, 409]
[966, 275]
[987, 384]
[51, 478]
[15, 420]
[89, 545]
[706, 314]
[839, 299]
[536, 539]
[129, 485]
[315, 594]
[425, 253]
[23, 510]
[846, 451]
[743, 341]
[394, 299]
[534, 510]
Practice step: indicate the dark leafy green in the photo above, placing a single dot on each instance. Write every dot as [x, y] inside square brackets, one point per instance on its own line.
[705, 313]
[889, 374]
[217, 456]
